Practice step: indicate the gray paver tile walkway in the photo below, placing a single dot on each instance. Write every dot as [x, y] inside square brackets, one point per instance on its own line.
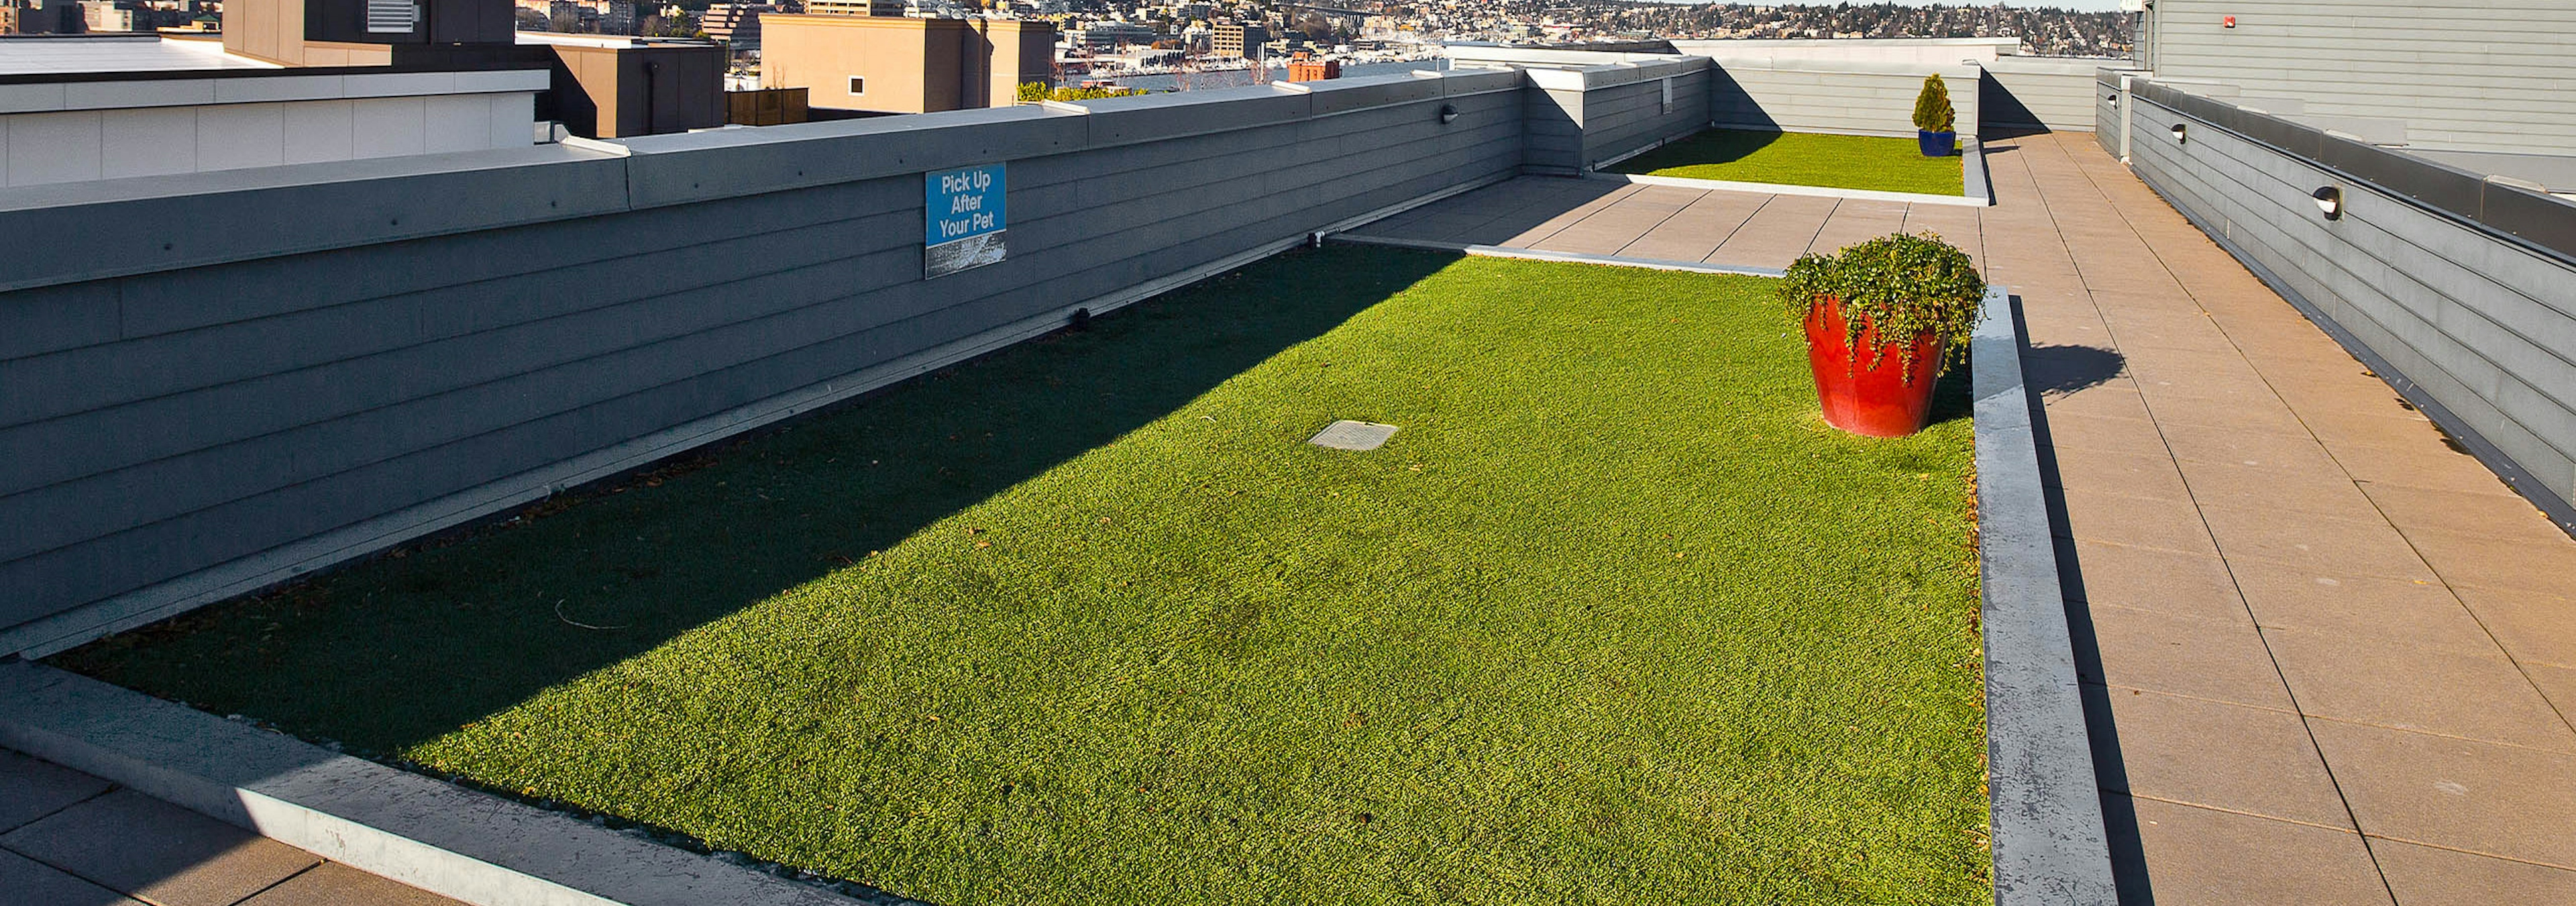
[70, 839]
[2279, 560]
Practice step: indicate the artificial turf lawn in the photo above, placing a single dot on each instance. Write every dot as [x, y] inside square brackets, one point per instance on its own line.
[1803, 159]
[1612, 618]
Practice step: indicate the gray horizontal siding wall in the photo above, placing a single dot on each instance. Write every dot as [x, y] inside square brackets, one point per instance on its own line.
[2056, 95]
[2489, 75]
[2106, 111]
[1578, 118]
[1854, 98]
[1623, 117]
[265, 400]
[2483, 325]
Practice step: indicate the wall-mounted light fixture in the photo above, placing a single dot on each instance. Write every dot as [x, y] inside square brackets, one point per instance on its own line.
[2329, 202]
[1448, 113]
[2180, 134]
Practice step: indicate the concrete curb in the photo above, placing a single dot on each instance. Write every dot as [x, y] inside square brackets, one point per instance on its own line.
[1972, 173]
[1496, 251]
[2050, 844]
[429, 834]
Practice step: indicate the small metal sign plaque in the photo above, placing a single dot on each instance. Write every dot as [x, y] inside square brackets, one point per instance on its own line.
[962, 220]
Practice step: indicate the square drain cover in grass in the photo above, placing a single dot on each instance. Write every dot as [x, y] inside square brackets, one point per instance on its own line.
[1351, 435]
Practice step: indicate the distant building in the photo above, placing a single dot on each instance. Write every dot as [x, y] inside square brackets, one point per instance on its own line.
[893, 8]
[1238, 40]
[622, 18]
[598, 87]
[905, 65]
[146, 105]
[104, 16]
[737, 25]
[1103, 36]
[1314, 70]
[45, 17]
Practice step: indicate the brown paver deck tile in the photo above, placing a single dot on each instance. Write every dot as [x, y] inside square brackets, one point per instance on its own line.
[2556, 683]
[2426, 876]
[2228, 756]
[2411, 687]
[2365, 608]
[2146, 475]
[2163, 524]
[1776, 234]
[2103, 433]
[2534, 627]
[2297, 490]
[333, 884]
[2178, 655]
[2268, 417]
[158, 852]
[1855, 221]
[2419, 464]
[2324, 544]
[2342, 429]
[2462, 794]
[2546, 567]
[1958, 225]
[31, 789]
[1607, 230]
[24, 882]
[2114, 397]
[1528, 203]
[2467, 511]
[2166, 582]
[1698, 229]
[2206, 857]
[1528, 236]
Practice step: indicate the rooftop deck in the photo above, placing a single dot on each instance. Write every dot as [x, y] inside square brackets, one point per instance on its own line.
[2330, 658]
[1667, 223]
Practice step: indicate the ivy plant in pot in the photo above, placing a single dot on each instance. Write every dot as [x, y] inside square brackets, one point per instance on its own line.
[1935, 121]
[1884, 318]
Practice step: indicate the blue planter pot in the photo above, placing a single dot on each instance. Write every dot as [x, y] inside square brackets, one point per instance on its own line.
[1938, 144]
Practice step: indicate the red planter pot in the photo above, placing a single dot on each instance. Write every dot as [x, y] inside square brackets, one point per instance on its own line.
[1885, 401]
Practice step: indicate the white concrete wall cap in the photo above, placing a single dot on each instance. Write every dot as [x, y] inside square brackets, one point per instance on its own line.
[219, 182]
[139, 93]
[31, 98]
[1846, 67]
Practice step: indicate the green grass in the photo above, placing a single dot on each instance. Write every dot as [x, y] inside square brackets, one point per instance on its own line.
[1614, 618]
[1803, 159]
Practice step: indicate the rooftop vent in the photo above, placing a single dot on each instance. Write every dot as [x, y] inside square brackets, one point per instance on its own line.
[392, 17]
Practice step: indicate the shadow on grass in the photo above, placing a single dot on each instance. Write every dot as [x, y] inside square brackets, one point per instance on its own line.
[417, 642]
[1708, 146]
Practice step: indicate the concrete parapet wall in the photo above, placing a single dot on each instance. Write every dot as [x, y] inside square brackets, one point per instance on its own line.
[2455, 284]
[288, 367]
[2050, 93]
[1913, 51]
[1578, 119]
[1857, 98]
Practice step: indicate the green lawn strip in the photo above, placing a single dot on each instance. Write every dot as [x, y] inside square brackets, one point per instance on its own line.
[1803, 159]
[1613, 616]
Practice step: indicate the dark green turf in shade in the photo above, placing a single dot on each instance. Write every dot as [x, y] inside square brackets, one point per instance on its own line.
[1613, 618]
[1803, 159]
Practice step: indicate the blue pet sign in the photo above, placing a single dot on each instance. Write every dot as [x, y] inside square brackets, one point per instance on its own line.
[962, 219]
